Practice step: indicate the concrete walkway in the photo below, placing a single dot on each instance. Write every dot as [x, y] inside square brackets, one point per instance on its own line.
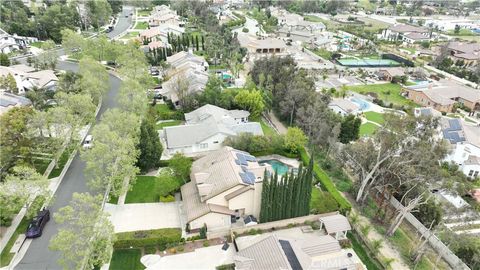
[143, 216]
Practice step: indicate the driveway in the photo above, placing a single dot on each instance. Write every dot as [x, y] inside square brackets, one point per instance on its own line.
[200, 259]
[143, 216]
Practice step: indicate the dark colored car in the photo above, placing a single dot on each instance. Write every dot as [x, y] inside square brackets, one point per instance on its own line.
[37, 224]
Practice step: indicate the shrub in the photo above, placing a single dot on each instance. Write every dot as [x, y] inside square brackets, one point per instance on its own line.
[180, 249]
[168, 198]
[150, 250]
[345, 243]
[160, 237]
[206, 243]
[203, 232]
[245, 30]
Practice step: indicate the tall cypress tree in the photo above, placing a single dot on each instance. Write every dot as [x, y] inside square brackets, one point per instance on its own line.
[265, 197]
[149, 145]
[196, 42]
[203, 44]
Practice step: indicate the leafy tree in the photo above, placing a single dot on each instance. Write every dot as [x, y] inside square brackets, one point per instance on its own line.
[98, 12]
[56, 18]
[93, 78]
[19, 189]
[4, 60]
[457, 29]
[180, 165]
[349, 129]
[149, 145]
[85, 239]
[252, 101]
[132, 97]
[117, 6]
[48, 58]
[8, 84]
[294, 139]
[14, 140]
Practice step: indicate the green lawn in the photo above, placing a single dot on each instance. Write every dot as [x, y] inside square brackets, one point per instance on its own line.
[322, 202]
[37, 44]
[126, 259]
[266, 128]
[362, 253]
[41, 165]
[57, 170]
[375, 117]
[367, 129]
[148, 189]
[462, 32]
[130, 35]
[312, 18]
[168, 124]
[388, 92]
[144, 12]
[141, 25]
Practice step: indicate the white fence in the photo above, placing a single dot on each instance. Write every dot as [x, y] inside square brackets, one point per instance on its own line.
[433, 240]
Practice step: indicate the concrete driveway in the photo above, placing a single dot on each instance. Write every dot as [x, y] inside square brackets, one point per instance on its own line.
[143, 216]
[200, 259]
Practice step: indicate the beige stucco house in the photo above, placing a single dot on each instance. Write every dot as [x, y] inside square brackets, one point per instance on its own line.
[226, 186]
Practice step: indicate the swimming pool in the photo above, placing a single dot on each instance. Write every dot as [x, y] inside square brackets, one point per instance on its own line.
[420, 82]
[363, 104]
[278, 166]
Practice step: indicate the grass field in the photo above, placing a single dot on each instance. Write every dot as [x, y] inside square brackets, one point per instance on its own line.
[130, 35]
[462, 32]
[266, 128]
[141, 25]
[388, 92]
[375, 117]
[147, 189]
[126, 259]
[322, 201]
[37, 44]
[144, 12]
[367, 129]
[168, 124]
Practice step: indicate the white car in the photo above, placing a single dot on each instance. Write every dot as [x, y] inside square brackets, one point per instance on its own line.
[87, 143]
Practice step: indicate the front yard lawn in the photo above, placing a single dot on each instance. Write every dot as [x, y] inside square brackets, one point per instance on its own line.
[126, 259]
[130, 35]
[375, 117]
[149, 189]
[388, 92]
[144, 12]
[57, 170]
[141, 25]
[367, 129]
[168, 124]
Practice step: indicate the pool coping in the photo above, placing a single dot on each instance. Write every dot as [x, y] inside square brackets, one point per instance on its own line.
[291, 162]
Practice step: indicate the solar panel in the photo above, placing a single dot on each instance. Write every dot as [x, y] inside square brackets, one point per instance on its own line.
[250, 175]
[250, 158]
[291, 257]
[244, 169]
[246, 179]
[454, 124]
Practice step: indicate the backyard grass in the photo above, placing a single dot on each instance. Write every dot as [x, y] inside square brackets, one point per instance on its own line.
[168, 124]
[141, 25]
[126, 259]
[368, 129]
[37, 44]
[375, 117]
[322, 202]
[312, 18]
[388, 92]
[148, 189]
[266, 128]
[361, 252]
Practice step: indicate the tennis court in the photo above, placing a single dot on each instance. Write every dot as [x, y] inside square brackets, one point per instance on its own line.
[350, 62]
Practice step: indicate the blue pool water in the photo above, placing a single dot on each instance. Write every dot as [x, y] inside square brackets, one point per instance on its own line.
[364, 105]
[278, 166]
[419, 82]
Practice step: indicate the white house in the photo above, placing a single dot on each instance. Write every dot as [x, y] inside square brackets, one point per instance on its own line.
[226, 185]
[344, 106]
[26, 78]
[10, 43]
[206, 128]
[406, 33]
[164, 15]
[464, 141]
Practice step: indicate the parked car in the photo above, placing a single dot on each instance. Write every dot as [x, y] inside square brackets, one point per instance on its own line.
[87, 143]
[37, 224]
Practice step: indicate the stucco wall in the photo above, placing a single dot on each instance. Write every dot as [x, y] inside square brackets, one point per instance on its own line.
[243, 201]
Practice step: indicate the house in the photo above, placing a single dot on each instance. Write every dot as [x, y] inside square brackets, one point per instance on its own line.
[387, 74]
[180, 58]
[164, 15]
[344, 106]
[10, 43]
[442, 95]
[406, 33]
[9, 101]
[185, 81]
[335, 225]
[266, 46]
[464, 139]
[292, 251]
[295, 27]
[226, 186]
[469, 53]
[206, 128]
[27, 78]
[160, 33]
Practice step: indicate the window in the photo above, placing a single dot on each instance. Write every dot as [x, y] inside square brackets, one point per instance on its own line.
[204, 145]
[470, 173]
[215, 142]
[475, 174]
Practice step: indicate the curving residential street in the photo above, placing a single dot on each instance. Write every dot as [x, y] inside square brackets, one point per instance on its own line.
[38, 256]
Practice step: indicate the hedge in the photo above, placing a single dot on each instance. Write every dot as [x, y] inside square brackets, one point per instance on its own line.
[136, 239]
[326, 182]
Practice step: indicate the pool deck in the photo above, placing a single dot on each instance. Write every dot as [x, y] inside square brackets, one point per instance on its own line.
[288, 161]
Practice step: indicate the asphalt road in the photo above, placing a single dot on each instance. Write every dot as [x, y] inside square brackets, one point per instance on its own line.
[38, 256]
[123, 22]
